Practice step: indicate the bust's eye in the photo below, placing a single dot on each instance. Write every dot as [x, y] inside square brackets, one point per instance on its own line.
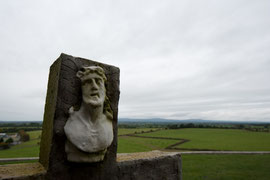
[88, 81]
[98, 81]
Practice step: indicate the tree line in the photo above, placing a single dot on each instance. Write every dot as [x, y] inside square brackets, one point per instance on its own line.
[250, 127]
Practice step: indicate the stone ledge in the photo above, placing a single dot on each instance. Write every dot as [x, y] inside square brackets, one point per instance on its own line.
[149, 165]
[18, 159]
[137, 166]
[121, 157]
[22, 171]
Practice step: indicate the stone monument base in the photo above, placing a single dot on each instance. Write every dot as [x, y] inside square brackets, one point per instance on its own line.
[136, 166]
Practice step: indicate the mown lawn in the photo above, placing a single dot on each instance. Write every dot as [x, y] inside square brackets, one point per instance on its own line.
[136, 144]
[218, 139]
[25, 149]
[34, 134]
[194, 167]
[226, 167]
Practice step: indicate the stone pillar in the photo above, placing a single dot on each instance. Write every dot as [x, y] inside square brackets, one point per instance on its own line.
[64, 91]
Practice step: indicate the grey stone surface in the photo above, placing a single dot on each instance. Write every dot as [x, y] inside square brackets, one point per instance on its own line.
[159, 168]
[64, 91]
[130, 166]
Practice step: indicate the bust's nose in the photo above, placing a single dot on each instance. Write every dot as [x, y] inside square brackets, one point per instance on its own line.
[94, 85]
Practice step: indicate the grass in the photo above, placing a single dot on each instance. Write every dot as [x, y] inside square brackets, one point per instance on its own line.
[25, 149]
[218, 139]
[122, 131]
[125, 145]
[34, 134]
[194, 166]
[226, 167]
[135, 144]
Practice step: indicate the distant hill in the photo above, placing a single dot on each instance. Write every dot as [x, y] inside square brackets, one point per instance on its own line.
[155, 120]
[20, 123]
[195, 121]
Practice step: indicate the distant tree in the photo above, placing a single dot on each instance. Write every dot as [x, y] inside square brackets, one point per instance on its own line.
[24, 136]
[9, 140]
[190, 125]
[173, 126]
[240, 126]
[201, 126]
[182, 126]
[4, 145]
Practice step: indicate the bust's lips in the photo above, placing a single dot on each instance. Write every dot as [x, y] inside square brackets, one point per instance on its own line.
[94, 94]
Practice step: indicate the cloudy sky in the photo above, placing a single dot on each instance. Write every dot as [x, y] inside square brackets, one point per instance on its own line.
[179, 59]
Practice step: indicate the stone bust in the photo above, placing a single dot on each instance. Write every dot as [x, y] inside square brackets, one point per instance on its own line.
[89, 130]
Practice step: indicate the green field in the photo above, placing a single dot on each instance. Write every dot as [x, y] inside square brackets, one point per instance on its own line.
[34, 134]
[197, 167]
[218, 139]
[226, 167]
[25, 149]
[135, 144]
[134, 130]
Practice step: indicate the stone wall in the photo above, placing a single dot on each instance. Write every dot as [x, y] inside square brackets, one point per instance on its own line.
[153, 165]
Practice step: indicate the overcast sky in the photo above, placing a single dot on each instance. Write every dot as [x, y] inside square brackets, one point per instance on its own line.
[178, 59]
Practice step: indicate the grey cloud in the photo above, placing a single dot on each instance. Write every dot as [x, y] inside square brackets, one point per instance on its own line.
[178, 59]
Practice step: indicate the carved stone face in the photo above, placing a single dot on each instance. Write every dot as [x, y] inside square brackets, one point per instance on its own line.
[93, 90]
[88, 137]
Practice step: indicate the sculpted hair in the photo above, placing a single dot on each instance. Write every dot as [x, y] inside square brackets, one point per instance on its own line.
[82, 74]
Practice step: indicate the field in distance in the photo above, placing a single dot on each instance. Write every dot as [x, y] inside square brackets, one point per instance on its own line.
[198, 138]
[217, 139]
[25, 149]
[226, 167]
[194, 166]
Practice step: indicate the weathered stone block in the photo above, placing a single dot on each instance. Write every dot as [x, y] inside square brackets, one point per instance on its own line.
[154, 165]
[64, 91]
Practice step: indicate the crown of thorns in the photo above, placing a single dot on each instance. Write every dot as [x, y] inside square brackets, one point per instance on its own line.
[83, 72]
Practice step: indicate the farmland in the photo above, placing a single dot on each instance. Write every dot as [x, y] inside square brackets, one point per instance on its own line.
[224, 166]
[213, 139]
[122, 131]
[136, 144]
[25, 149]
[218, 139]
